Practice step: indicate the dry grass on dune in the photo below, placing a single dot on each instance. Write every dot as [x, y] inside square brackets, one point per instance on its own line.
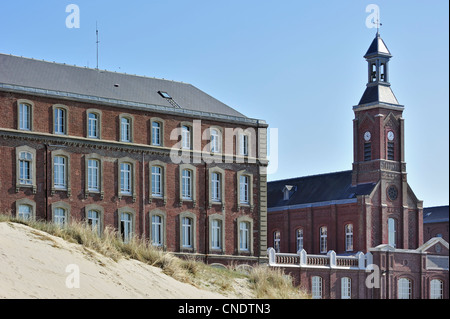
[259, 282]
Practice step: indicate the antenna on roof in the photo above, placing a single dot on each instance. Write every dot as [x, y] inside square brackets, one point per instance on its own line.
[96, 31]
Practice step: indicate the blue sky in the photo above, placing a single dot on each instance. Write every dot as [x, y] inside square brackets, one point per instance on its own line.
[296, 64]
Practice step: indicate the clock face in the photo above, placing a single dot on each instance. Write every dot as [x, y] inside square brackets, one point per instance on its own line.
[367, 136]
[390, 136]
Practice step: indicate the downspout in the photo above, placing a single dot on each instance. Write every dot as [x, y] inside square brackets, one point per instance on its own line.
[46, 181]
[143, 196]
[206, 213]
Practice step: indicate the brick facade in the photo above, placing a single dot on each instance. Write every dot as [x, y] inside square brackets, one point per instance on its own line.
[75, 145]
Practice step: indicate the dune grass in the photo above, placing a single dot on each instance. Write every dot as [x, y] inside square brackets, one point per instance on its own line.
[259, 282]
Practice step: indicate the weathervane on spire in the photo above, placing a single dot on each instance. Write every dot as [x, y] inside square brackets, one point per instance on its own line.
[373, 19]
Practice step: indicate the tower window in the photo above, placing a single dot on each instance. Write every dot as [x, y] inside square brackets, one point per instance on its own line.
[367, 152]
[390, 151]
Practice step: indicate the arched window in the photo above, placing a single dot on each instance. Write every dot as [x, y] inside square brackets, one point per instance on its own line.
[349, 237]
[126, 227]
[392, 232]
[346, 288]
[25, 212]
[404, 288]
[323, 239]
[93, 220]
[276, 240]
[316, 287]
[436, 289]
[299, 236]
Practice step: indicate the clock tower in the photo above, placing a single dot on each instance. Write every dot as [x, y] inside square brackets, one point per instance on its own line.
[379, 156]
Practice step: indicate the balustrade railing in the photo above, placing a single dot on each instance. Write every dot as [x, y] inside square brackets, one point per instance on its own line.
[330, 260]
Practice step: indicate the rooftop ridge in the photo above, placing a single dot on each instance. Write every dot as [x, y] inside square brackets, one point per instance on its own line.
[93, 69]
[314, 175]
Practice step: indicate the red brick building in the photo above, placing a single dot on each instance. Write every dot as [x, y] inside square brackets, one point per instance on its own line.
[435, 222]
[154, 158]
[370, 207]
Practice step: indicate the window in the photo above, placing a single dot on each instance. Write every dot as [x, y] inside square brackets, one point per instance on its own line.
[436, 289]
[323, 239]
[25, 168]
[157, 181]
[244, 189]
[404, 288]
[346, 288]
[93, 125]
[157, 230]
[243, 144]
[93, 175]
[93, 220]
[125, 178]
[186, 234]
[24, 117]
[390, 151]
[244, 234]
[349, 237]
[186, 184]
[126, 227]
[299, 236]
[216, 234]
[392, 232]
[186, 137]
[59, 217]
[215, 141]
[60, 120]
[60, 172]
[25, 212]
[216, 194]
[126, 129]
[276, 241]
[156, 133]
[316, 287]
[367, 152]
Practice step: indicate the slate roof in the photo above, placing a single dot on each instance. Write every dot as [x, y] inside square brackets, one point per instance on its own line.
[30, 73]
[377, 47]
[379, 94]
[437, 214]
[316, 189]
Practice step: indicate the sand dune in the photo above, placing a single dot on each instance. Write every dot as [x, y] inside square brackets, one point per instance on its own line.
[34, 264]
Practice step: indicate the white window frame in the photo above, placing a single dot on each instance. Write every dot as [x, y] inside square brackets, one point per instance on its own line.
[126, 178]
[404, 288]
[93, 175]
[25, 116]
[59, 217]
[244, 184]
[392, 232]
[349, 237]
[187, 232]
[243, 144]
[157, 230]
[60, 172]
[316, 287]
[186, 184]
[94, 221]
[186, 137]
[60, 120]
[93, 125]
[25, 168]
[216, 187]
[125, 129]
[346, 288]
[156, 133]
[25, 212]
[157, 182]
[277, 241]
[299, 238]
[215, 140]
[436, 289]
[244, 235]
[323, 232]
[216, 234]
[126, 232]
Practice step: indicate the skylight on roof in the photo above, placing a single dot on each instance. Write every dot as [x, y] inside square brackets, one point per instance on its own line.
[165, 95]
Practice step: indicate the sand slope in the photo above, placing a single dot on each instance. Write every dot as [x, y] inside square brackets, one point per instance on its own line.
[33, 264]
